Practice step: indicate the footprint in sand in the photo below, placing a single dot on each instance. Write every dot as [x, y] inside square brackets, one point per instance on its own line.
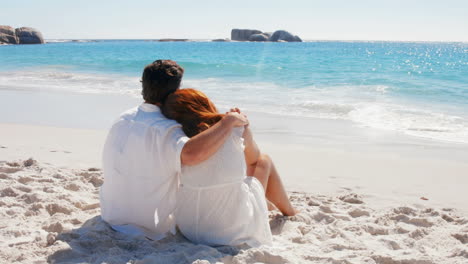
[56, 208]
[326, 209]
[30, 198]
[385, 259]
[422, 222]
[13, 164]
[459, 252]
[96, 181]
[55, 227]
[351, 198]
[24, 189]
[8, 192]
[405, 210]
[463, 238]
[321, 217]
[418, 234]
[72, 187]
[25, 180]
[12, 167]
[313, 203]
[358, 213]
[58, 176]
[8, 169]
[390, 244]
[375, 230]
[305, 229]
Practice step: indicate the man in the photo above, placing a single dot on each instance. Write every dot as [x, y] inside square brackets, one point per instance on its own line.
[143, 155]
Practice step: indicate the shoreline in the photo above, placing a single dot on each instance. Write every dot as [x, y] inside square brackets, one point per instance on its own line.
[383, 174]
[65, 109]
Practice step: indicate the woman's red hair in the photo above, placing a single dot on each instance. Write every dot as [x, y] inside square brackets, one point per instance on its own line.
[192, 109]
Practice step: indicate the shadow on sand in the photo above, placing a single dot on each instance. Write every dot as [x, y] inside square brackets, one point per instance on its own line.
[96, 242]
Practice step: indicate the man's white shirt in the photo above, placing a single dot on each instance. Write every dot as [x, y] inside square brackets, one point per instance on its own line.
[141, 166]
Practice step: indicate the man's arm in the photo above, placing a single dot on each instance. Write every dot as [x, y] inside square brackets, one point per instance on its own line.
[202, 146]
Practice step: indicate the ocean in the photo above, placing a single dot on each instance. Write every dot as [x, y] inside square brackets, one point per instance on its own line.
[419, 89]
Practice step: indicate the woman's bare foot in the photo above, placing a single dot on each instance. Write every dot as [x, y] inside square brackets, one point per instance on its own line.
[271, 206]
[291, 212]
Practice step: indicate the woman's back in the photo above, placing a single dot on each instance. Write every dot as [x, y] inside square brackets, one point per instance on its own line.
[218, 204]
[225, 166]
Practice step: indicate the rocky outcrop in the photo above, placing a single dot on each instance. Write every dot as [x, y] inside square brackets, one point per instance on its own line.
[23, 35]
[285, 36]
[8, 35]
[243, 34]
[258, 37]
[27, 35]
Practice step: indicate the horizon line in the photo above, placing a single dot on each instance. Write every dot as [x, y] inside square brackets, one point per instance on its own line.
[304, 40]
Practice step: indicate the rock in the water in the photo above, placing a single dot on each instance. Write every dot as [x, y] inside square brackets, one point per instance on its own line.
[258, 37]
[172, 40]
[243, 34]
[221, 40]
[8, 35]
[285, 36]
[27, 35]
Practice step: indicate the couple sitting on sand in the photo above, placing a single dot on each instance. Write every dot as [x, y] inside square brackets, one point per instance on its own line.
[175, 160]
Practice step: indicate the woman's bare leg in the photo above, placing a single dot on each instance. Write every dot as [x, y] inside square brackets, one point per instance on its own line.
[264, 170]
[276, 193]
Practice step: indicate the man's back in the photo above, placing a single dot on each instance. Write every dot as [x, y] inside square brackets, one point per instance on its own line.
[141, 160]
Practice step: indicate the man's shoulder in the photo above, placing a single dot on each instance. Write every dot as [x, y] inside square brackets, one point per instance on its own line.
[155, 120]
[164, 123]
[130, 113]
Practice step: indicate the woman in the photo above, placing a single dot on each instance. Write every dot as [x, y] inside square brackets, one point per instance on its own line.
[217, 203]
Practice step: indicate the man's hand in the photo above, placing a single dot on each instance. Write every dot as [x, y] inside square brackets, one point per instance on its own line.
[235, 119]
[235, 110]
[206, 143]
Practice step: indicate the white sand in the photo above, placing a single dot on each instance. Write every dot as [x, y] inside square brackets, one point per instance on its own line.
[52, 214]
[49, 210]
[64, 147]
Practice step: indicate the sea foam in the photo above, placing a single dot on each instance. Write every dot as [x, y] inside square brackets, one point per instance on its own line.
[366, 105]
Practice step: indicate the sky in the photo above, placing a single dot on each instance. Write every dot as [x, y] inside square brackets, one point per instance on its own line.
[408, 20]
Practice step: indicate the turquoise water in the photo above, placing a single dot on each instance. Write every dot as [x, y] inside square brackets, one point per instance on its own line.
[416, 88]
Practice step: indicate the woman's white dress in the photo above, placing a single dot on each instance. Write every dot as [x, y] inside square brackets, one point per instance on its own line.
[218, 204]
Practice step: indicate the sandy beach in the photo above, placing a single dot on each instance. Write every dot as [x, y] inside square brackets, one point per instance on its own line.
[377, 169]
[361, 105]
[357, 205]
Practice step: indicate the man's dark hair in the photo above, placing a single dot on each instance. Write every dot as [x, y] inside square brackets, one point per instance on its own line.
[160, 78]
